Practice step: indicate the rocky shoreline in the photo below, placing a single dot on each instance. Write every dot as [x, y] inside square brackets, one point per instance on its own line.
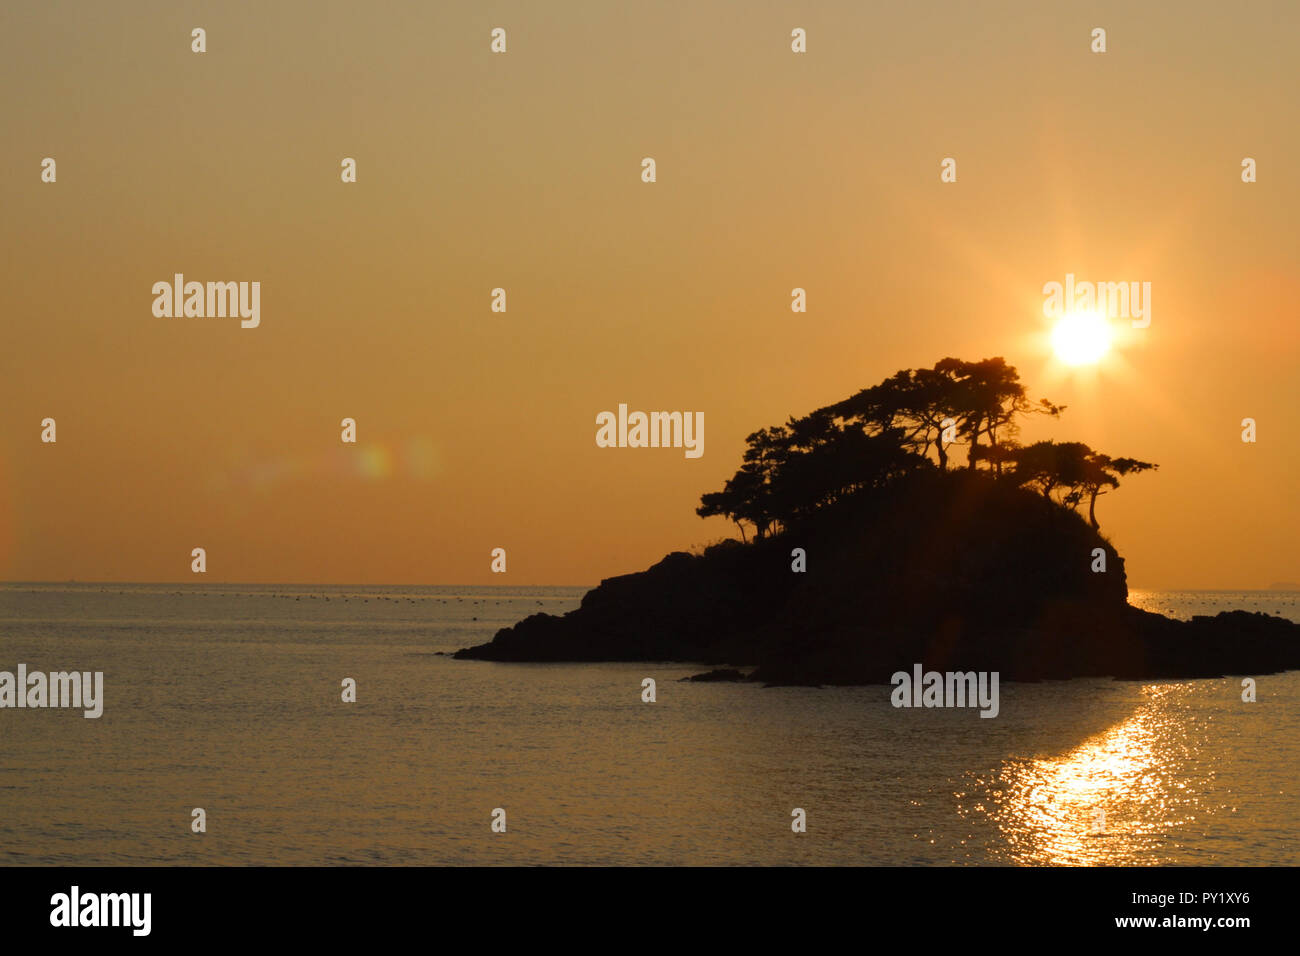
[952, 571]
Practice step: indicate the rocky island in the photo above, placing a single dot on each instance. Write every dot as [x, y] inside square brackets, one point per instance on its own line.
[861, 554]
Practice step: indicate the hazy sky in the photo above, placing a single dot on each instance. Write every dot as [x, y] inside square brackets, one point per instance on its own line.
[775, 170]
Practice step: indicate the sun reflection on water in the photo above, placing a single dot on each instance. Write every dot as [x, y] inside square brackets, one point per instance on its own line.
[1117, 798]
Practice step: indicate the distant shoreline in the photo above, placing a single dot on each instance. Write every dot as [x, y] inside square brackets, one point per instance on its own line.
[1284, 588]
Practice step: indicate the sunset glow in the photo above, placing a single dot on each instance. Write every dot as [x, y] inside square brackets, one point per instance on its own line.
[1081, 338]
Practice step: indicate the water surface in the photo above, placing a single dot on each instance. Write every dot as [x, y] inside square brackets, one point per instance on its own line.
[228, 698]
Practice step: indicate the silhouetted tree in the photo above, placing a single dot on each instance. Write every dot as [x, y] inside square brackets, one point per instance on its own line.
[794, 469]
[989, 400]
[978, 398]
[1113, 469]
[886, 431]
[1074, 470]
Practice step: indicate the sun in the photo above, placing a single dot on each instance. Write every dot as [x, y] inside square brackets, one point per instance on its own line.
[1081, 338]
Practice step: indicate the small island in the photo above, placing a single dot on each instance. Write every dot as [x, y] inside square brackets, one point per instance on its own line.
[866, 546]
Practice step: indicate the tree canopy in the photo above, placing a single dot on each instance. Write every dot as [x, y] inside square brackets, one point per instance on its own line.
[889, 430]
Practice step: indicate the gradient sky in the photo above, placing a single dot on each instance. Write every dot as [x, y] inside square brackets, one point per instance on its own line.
[775, 170]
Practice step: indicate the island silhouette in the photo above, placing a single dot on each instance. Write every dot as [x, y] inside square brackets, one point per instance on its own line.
[867, 546]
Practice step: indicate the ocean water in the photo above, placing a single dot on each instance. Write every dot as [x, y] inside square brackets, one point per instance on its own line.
[228, 698]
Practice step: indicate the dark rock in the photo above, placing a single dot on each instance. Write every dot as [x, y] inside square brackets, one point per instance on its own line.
[955, 571]
[720, 674]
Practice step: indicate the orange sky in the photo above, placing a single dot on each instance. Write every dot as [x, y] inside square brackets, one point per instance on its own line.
[522, 170]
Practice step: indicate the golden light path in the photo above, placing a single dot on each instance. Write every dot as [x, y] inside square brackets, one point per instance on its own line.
[1117, 798]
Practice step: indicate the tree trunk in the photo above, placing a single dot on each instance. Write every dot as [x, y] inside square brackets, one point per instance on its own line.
[974, 443]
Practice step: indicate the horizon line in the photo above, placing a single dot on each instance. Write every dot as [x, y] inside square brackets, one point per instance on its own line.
[312, 584]
[1282, 586]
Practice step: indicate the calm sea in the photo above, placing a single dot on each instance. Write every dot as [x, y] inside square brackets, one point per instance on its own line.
[229, 698]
